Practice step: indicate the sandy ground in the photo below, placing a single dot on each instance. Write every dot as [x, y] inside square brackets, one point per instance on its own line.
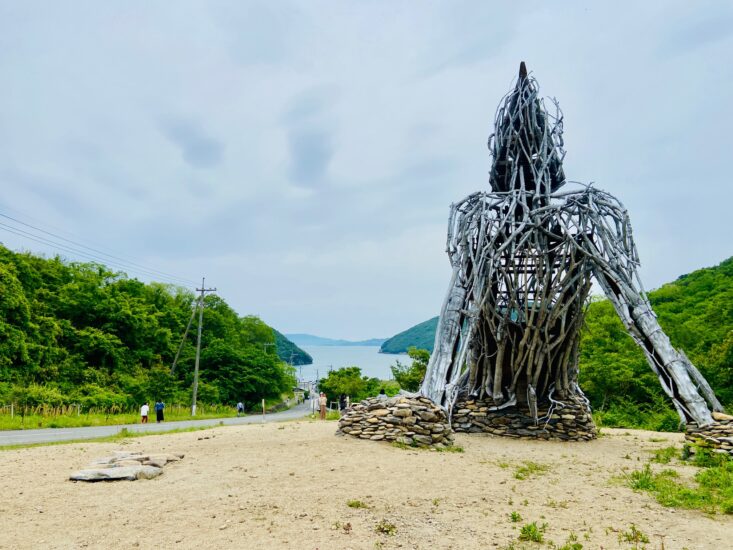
[287, 486]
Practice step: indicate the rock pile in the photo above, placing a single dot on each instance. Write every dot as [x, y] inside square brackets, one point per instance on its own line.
[570, 421]
[125, 465]
[718, 436]
[415, 421]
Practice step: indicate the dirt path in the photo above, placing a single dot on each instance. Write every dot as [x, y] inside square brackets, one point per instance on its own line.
[287, 486]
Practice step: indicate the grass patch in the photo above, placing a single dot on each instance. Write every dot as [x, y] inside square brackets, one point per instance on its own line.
[529, 469]
[330, 415]
[711, 493]
[450, 449]
[515, 517]
[414, 447]
[634, 536]
[356, 504]
[664, 456]
[532, 532]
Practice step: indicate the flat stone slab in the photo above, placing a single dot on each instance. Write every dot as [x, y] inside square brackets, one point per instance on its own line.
[126, 465]
[129, 473]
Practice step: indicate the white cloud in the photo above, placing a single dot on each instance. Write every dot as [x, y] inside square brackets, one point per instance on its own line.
[303, 154]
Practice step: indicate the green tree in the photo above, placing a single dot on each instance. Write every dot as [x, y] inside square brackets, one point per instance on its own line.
[411, 376]
[349, 380]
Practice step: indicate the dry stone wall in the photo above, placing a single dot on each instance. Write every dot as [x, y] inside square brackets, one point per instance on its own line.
[718, 436]
[571, 420]
[413, 421]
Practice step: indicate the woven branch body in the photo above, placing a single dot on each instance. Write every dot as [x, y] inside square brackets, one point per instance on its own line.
[523, 258]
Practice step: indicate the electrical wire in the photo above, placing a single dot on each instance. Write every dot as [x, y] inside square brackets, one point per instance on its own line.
[112, 256]
[88, 252]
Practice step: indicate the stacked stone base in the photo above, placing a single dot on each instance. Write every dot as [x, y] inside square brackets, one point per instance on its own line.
[571, 421]
[718, 437]
[414, 421]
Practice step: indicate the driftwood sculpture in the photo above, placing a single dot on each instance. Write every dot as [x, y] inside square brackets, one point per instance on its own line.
[523, 256]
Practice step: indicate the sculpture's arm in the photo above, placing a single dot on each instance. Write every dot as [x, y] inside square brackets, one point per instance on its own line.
[609, 243]
[469, 222]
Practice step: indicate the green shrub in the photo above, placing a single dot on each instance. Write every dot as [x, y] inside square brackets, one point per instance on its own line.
[532, 532]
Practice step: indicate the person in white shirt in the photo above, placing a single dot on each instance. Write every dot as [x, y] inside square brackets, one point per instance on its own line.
[144, 410]
[322, 402]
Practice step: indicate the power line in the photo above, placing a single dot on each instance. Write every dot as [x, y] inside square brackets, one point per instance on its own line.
[122, 259]
[94, 254]
[85, 255]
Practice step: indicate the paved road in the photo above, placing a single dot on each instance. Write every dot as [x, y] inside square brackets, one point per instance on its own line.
[48, 435]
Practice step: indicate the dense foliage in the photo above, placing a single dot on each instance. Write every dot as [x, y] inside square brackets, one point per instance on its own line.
[696, 312]
[80, 333]
[349, 381]
[289, 352]
[421, 336]
[409, 377]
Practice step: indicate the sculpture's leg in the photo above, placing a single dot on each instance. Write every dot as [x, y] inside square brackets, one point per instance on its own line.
[672, 367]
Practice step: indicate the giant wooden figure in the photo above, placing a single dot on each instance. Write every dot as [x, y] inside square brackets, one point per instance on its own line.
[523, 258]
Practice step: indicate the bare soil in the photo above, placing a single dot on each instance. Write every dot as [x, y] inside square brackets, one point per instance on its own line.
[287, 486]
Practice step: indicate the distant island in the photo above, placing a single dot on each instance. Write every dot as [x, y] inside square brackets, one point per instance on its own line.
[421, 336]
[311, 340]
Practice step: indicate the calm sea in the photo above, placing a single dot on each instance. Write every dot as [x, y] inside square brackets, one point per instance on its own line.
[367, 358]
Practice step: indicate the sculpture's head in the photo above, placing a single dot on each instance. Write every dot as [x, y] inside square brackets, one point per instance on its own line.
[527, 141]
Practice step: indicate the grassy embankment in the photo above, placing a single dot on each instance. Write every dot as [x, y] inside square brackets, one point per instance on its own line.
[68, 417]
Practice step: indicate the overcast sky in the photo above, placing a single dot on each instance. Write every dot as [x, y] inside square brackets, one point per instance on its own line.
[303, 155]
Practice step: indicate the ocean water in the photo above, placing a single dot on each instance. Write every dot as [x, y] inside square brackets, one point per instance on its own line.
[368, 358]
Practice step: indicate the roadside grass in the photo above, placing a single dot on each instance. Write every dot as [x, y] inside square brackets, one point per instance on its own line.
[38, 421]
[712, 491]
[314, 417]
[122, 435]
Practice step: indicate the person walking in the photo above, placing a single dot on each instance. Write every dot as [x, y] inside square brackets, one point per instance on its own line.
[322, 402]
[342, 403]
[144, 413]
[159, 406]
[240, 408]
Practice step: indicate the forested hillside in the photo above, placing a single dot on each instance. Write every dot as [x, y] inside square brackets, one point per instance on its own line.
[421, 336]
[696, 312]
[289, 352]
[79, 333]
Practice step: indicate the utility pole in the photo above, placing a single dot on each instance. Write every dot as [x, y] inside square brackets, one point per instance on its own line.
[202, 290]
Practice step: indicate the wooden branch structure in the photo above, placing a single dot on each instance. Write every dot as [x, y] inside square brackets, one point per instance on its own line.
[523, 256]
